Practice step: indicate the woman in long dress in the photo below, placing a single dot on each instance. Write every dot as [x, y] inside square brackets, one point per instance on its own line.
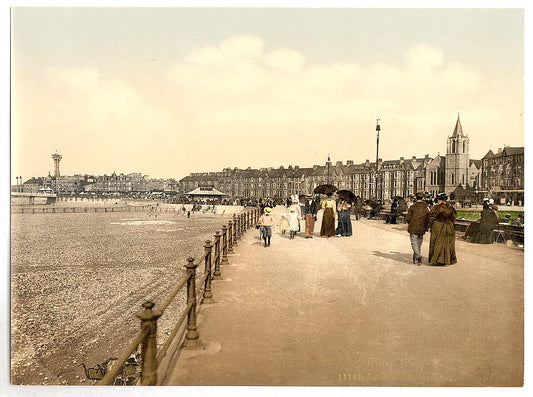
[344, 227]
[487, 223]
[442, 240]
[327, 228]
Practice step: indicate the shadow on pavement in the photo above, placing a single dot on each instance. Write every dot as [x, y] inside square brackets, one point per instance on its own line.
[395, 256]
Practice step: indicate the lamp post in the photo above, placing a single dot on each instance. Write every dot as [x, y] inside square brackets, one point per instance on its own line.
[20, 186]
[329, 161]
[378, 190]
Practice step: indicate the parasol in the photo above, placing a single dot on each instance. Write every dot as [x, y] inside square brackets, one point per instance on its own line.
[325, 189]
[347, 195]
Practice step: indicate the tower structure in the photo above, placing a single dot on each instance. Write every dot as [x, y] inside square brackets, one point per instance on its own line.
[457, 159]
[57, 158]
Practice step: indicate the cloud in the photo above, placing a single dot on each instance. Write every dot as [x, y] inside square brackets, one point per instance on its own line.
[219, 105]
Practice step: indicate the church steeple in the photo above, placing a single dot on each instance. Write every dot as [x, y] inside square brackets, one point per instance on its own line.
[457, 159]
[458, 131]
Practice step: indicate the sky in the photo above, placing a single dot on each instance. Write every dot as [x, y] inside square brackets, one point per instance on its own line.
[170, 91]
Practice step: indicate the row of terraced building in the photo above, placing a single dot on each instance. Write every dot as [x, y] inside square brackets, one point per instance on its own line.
[456, 174]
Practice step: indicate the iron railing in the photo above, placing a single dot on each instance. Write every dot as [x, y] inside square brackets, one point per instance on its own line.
[215, 255]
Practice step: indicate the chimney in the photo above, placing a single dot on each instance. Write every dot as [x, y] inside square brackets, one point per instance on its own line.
[338, 164]
[413, 158]
[280, 167]
[349, 162]
[367, 163]
[401, 160]
[499, 150]
[426, 156]
[296, 167]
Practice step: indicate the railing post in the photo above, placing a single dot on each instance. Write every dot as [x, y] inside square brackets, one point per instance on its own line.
[230, 237]
[217, 275]
[241, 223]
[192, 338]
[224, 245]
[208, 294]
[148, 318]
[235, 229]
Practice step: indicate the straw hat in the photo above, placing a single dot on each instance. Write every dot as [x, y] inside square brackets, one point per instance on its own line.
[268, 210]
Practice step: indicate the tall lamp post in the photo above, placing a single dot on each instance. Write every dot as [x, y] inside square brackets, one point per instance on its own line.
[328, 163]
[378, 189]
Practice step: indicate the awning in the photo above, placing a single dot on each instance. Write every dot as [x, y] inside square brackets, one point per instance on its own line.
[206, 191]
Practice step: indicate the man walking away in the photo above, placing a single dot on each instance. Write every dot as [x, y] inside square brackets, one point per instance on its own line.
[418, 220]
[309, 215]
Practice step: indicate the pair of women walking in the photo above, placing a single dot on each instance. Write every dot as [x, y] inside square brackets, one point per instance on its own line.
[344, 224]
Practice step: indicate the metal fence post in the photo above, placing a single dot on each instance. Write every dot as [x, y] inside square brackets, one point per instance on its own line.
[148, 318]
[217, 275]
[235, 229]
[208, 294]
[224, 245]
[230, 237]
[192, 337]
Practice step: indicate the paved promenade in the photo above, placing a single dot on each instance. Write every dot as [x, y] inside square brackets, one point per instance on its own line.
[355, 311]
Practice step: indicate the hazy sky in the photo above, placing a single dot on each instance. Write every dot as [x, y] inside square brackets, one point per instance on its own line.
[169, 91]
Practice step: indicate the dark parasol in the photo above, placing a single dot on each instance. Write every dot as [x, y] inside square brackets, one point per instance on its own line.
[325, 189]
[347, 195]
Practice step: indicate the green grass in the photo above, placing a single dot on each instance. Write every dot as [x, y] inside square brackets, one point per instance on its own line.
[476, 214]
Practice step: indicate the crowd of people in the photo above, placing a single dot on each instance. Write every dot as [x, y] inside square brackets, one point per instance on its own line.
[434, 215]
[301, 214]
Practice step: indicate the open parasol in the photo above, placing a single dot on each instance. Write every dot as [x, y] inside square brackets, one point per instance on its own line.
[347, 195]
[325, 189]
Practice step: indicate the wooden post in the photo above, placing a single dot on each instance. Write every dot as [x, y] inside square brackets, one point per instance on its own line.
[148, 318]
[192, 337]
[208, 294]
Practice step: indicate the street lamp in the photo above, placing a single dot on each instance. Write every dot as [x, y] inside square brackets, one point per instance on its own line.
[378, 129]
[329, 161]
[20, 184]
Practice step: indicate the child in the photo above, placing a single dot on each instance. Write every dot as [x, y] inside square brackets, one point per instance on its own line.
[283, 223]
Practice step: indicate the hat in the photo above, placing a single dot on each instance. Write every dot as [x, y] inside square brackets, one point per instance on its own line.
[419, 195]
[442, 196]
[491, 201]
[268, 210]
[309, 196]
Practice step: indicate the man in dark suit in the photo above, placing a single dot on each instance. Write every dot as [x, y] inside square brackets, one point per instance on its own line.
[309, 215]
[418, 221]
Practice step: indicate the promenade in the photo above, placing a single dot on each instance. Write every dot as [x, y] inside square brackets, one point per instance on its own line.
[355, 311]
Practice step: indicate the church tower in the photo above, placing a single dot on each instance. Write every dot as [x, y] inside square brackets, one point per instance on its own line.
[457, 159]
